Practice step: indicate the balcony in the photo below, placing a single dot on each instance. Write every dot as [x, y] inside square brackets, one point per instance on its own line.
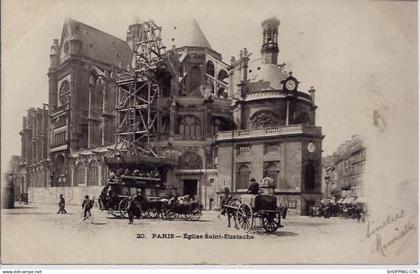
[269, 132]
[193, 101]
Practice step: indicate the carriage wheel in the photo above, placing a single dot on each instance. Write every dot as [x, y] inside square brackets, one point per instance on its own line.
[271, 221]
[196, 213]
[145, 213]
[116, 213]
[122, 207]
[187, 216]
[169, 214]
[245, 217]
[153, 212]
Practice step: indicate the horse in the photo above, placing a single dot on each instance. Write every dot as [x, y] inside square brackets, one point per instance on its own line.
[229, 207]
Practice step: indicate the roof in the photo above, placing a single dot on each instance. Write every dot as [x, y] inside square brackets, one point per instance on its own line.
[99, 45]
[185, 33]
[271, 21]
[265, 76]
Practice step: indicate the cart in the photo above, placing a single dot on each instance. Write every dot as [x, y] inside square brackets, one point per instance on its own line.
[257, 210]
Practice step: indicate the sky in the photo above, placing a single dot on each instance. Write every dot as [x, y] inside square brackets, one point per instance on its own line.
[360, 56]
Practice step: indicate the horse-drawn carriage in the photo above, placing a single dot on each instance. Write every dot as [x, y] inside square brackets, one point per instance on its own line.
[247, 209]
[183, 207]
[134, 175]
[115, 196]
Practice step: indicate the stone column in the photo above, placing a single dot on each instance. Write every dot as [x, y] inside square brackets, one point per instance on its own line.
[206, 119]
[101, 163]
[86, 167]
[282, 182]
[172, 119]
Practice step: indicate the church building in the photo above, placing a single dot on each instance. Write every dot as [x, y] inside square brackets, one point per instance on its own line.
[222, 124]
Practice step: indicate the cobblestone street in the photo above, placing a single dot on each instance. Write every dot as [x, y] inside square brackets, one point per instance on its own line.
[66, 239]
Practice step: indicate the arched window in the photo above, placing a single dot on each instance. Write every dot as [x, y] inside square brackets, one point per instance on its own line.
[79, 172]
[190, 160]
[222, 76]
[105, 173]
[264, 119]
[36, 178]
[217, 125]
[210, 68]
[64, 93]
[92, 174]
[303, 119]
[272, 171]
[59, 168]
[33, 178]
[93, 77]
[190, 128]
[243, 176]
[208, 86]
[195, 78]
[41, 177]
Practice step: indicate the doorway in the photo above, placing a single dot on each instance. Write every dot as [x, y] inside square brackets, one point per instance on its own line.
[308, 207]
[190, 187]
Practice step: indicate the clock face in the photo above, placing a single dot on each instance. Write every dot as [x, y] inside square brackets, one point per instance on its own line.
[290, 85]
[311, 147]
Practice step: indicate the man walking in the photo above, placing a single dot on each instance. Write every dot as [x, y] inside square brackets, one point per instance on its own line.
[134, 207]
[61, 205]
[86, 206]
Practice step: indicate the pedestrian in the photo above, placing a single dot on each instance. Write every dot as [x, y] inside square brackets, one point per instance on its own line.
[134, 207]
[284, 213]
[130, 210]
[86, 206]
[61, 205]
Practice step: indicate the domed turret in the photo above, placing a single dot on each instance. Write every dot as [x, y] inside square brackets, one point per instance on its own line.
[270, 47]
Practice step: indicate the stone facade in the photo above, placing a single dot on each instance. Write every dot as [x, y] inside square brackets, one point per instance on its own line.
[34, 165]
[82, 96]
[344, 169]
[276, 135]
[220, 123]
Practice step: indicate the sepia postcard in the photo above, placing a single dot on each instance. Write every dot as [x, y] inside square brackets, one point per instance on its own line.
[209, 132]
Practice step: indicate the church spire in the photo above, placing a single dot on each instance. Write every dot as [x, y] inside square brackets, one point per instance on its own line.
[187, 32]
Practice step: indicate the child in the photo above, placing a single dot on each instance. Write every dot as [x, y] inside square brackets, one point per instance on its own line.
[86, 206]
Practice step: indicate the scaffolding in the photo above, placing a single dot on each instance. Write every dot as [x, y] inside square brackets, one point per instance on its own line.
[139, 93]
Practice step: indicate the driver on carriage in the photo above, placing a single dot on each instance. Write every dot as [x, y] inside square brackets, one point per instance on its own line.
[174, 199]
[254, 188]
